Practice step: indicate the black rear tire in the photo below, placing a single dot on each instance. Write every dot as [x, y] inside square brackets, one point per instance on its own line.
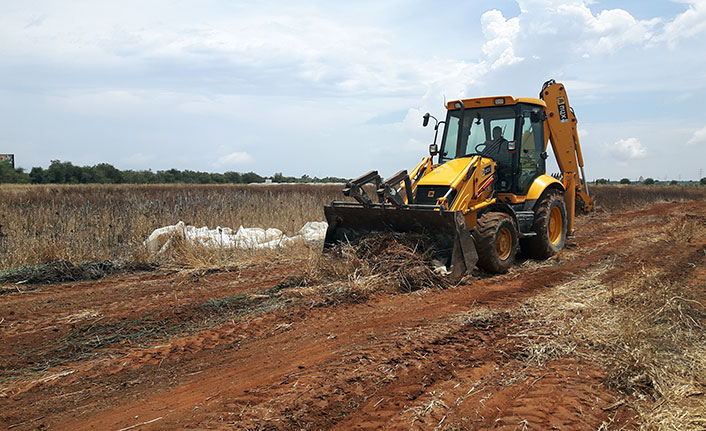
[496, 240]
[550, 226]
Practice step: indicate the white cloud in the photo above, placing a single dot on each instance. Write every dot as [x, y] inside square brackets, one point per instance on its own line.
[571, 26]
[617, 28]
[284, 81]
[626, 149]
[569, 29]
[686, 25]
[500, 34]
[262, 46]
[698, 138]
[233, 159]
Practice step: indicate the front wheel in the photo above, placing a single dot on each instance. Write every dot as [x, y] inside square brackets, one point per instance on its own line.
[549, 225]
[496, 239]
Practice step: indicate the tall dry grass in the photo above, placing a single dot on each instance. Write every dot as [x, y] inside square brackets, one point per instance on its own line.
[80, 223]
[618, 197]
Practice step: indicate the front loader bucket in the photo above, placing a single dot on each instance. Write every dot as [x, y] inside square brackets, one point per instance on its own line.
[349, 223]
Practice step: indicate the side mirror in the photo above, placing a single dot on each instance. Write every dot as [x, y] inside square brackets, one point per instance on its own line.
[425, 119]
[433, 150]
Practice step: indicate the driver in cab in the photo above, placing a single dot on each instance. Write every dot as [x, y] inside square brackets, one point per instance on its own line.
[498, 148]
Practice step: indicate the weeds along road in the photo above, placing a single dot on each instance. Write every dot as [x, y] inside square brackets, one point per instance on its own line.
[253, 350]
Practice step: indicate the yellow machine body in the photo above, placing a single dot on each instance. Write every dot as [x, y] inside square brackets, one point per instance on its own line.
[481, 182]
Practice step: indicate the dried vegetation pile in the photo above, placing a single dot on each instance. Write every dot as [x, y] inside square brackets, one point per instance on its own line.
[58, 271]
[386, 263]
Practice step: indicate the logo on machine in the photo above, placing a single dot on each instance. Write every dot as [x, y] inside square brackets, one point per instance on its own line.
[430, 194]
[563, 112]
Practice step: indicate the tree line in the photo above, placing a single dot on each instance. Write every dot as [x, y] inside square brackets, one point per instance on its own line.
[648, 181]
[60, 172]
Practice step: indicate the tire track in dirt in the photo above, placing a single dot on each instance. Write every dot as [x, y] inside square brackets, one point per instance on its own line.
[97, 311]
[328, 365]
[423, 309]
[138, 293]
[112, 309]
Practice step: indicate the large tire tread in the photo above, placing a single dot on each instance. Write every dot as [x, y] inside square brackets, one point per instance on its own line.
[539, 246]
[485, 237]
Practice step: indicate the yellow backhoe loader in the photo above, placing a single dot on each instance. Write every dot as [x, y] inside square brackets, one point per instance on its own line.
[487, 194]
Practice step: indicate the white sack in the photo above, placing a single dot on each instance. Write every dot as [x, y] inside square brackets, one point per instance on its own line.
[245, 238]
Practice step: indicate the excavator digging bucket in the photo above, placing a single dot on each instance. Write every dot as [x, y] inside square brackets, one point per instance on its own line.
[447, 230]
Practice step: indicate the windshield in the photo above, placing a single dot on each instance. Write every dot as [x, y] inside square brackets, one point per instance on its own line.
[483, 132]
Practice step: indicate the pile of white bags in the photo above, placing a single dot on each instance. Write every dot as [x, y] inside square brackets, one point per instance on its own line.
[224, 237]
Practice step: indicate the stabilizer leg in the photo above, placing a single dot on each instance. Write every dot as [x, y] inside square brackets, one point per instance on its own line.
[464, 255]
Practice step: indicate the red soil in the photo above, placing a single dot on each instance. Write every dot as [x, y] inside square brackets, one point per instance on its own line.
[166, 358]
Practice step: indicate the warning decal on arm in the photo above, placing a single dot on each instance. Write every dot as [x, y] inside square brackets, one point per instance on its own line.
[563, 112]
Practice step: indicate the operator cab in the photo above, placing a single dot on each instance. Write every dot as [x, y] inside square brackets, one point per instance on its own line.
[507, 130]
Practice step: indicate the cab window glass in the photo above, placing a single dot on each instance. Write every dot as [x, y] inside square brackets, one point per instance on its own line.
[531, 147]
[448, 145]
[477, 134]
[507, 125]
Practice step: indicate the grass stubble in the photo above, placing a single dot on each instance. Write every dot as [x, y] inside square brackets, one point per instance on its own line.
[645, 329]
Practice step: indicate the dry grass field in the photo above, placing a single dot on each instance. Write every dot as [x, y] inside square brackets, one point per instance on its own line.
[609, 334]
[83, 223]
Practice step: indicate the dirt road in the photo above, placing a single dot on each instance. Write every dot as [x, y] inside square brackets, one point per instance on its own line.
[246, 350]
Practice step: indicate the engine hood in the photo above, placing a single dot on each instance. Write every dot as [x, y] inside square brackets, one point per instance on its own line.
[443, 175]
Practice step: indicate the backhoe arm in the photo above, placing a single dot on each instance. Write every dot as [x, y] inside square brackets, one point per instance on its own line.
[560, 128]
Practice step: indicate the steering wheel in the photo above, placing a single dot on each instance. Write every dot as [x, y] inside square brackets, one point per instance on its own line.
[482, 144]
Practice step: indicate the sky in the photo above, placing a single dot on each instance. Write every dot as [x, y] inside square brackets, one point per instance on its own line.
[339, 88]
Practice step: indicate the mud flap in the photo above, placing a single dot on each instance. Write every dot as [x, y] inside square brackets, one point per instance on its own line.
[447, 230]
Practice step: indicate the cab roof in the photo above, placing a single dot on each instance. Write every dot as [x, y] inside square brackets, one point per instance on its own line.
[481, 102]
